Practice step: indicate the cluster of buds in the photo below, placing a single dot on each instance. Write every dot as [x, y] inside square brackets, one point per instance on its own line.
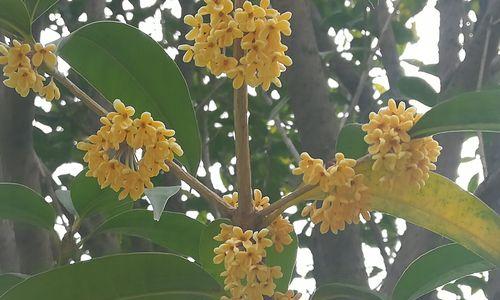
[402, 161]
[259, 28]
[347, 195]
[243, 253]
[21, 69]
[126, 153]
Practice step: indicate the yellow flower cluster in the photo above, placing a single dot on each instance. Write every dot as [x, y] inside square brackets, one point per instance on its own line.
[290, 295]
[403, 161]
[279, 229]
[260, 29]
[347, 195]
[243, 254]
[21, 69]
[126, 153]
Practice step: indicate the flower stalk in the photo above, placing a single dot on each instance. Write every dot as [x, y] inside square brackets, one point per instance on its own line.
[243, 170]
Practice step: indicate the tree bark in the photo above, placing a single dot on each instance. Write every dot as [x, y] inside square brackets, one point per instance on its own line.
[336, 258]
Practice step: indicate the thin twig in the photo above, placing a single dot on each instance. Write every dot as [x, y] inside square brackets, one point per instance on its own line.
[281, 205]
[482, 155]
[75, 90]
[202, 189]
[379, 240]
[282, 130]
[367, 64]
[241, 136]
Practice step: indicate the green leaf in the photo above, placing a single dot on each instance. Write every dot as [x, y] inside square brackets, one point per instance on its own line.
[174, 231]
[435, 268]
[37, 7]
[345, 291]
[351, 141]
[20, 203]
[9, 280]
[89, 199]
[207, 246]
[64, 197]
[145, 276]
[286, 260]
[418, 89]
[473, 183]
[15, 19]
[124, 63]
[158, 197]
[474, 111]
[442, 207]
[452, 288]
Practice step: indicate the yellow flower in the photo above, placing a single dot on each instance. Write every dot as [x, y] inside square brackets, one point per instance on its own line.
[399, 160]
[290, 295]
[111, 152]
[231, 199]
[246, 276]
[247, 16]
[22, 80]
[259, 202]
[259, 28]
[4, 59]
[44, 54]
[51, 91]
[347, 196]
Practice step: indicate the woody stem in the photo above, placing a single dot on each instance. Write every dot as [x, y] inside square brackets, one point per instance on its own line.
[202, 189]
[75, 90]
[243, 172]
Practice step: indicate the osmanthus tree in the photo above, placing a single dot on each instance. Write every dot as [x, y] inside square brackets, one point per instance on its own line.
[249, 253]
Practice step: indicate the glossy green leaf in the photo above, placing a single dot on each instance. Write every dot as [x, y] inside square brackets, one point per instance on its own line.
[145, 276]
[124, 63]
[20, 203]
[64, 197]
[286, 260]
[474, 111]
[9, 280]
[418, 89]
[89, 199]
[15, 19]
[345, 291]
[207, 246]
[473, 183]
[158, 197]
[442, 207]
[437, 267]
[37, 7]
[174, 231]
[350, 141]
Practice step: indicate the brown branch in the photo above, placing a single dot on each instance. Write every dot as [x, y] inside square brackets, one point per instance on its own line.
[75, 90]
[241, 136]
[203, 190]
[282, 130]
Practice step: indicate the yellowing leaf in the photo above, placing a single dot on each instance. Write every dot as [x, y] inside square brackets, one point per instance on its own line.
[442, 207]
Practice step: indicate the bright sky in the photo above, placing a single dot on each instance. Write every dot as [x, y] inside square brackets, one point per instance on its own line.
[425, 50]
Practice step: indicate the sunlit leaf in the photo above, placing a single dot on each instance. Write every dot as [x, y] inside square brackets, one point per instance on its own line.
[146, 276]
[418, 89]
[474, 111]
[350, 141]
[9, 280]
[122, 62]
[435, 268]
[15, 19]
[20, 203]
[37, 7]
[174, 231]
[88, 198]
[64, 198]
